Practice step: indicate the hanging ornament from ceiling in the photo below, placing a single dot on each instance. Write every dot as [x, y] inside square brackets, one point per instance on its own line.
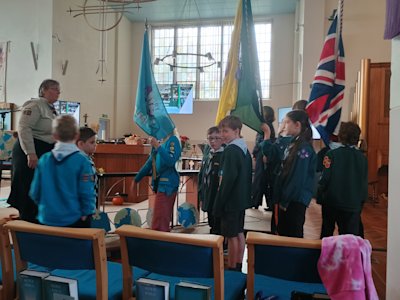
[102, 16]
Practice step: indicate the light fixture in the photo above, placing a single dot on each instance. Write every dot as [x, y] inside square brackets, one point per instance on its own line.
[209, 56]
[105, 7]
[171, 61]
[102, 9]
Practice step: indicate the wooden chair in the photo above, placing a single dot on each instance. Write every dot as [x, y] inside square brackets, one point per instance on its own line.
[176, 257]
[278, 265]
[7, 283]
[77, 253]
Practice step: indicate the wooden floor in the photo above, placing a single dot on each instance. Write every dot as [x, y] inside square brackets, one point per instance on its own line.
[375, 227]
[374, 219]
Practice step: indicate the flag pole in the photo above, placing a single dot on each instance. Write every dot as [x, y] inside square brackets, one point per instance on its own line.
[340, 16]
[339, 25]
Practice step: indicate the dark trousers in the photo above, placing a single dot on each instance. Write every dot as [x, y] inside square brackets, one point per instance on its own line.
[291, 220]
[274, 219]
[214, 223]
[348, 222]
[81, 224]
[21, 180]
[259, 186]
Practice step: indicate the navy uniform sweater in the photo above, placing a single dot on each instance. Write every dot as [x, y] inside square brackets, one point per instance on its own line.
[344, 180]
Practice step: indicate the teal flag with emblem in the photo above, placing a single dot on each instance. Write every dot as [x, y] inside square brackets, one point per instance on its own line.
[150, 113]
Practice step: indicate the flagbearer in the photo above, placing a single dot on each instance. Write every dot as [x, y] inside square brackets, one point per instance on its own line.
[165, 178]
[152, 117]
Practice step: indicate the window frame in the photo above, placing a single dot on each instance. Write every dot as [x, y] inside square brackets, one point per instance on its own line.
[224, 56]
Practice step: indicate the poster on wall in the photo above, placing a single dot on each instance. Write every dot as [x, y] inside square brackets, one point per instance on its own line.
[3, 69]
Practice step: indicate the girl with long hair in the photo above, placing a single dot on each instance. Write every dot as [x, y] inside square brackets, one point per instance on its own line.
[294, 186]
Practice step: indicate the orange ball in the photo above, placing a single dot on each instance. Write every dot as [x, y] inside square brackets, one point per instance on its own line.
[117, 200]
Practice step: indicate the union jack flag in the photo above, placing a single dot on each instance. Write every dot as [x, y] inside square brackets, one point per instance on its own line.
[325, 103]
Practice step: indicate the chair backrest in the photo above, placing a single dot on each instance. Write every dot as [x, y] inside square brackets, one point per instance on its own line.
[288, 258]
[173, 254]
[61, 248]
[7, 288]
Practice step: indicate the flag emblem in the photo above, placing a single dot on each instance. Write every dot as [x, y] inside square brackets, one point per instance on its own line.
[150, 113]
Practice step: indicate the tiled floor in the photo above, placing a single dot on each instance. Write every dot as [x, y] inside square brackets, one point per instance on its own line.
[374, 219]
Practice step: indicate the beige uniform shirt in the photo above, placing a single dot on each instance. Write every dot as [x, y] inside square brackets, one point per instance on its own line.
[35, 123]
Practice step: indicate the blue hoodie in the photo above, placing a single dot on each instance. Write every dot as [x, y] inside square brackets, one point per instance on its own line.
[63, 186]
[165, 158]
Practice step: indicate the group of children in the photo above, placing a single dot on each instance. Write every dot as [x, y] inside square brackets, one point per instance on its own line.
[64, 184]
[225, 180]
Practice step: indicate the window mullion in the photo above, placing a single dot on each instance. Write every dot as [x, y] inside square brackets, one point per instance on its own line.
[205, 84]
[174, 70]
[222, 73]
[198, 63]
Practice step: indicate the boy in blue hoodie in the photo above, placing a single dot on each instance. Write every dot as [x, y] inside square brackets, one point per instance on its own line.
[63, 183]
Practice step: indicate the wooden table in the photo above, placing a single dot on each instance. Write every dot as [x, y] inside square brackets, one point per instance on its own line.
[187, 186]
[121, 158]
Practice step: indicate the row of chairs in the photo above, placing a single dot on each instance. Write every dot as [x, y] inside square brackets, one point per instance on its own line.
[276, 265]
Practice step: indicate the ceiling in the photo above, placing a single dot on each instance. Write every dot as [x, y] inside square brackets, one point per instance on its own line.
[172, 10]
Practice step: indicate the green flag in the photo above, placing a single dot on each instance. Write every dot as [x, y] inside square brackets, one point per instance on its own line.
[248, 107]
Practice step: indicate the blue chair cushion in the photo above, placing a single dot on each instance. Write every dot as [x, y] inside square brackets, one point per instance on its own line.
[235, 284]
[270, 286]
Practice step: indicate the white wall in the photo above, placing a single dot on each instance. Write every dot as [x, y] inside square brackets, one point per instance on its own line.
[61, 37]
[363, 27]
[125, 79]
[22, 22]
[80, 45]
[393, 257]
[312, 32]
